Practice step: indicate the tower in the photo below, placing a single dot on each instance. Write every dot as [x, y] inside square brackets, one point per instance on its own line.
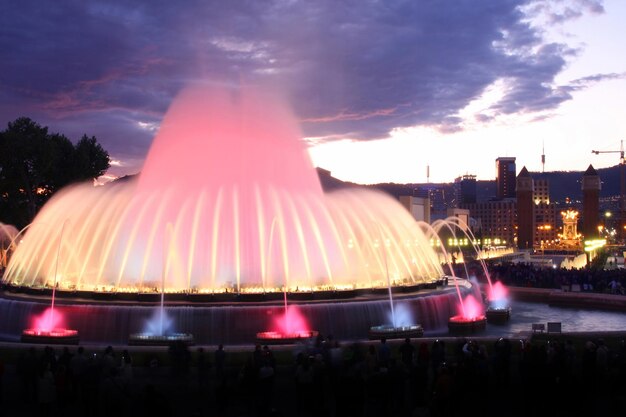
[525, 214]
[505, 177]
[591, 203]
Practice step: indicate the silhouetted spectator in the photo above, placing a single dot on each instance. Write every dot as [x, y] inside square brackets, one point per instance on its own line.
[437, 355]
[421, 374]
[180, 357]
[126, 367]
[442, 392]
[78, 366]
[265, 385]
[268, 357]
[204, 366]
[28, 373]
[108, 361]
[63, 386]
[304, 385]
[46, 390]
[407, 352]
[220, 360]
[384, 353]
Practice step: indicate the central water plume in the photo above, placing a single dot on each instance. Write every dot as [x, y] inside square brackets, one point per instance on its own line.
[227, 201]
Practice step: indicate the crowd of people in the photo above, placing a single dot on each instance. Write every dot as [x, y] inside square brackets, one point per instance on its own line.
[325, 378]
[51, 381]
[611, 281]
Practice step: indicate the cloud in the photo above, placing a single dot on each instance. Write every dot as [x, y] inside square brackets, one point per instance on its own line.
[561, 11]
[351, 68]
[589, 80]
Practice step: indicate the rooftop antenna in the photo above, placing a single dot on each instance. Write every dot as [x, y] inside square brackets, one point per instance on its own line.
[428, 174]
[543, 156]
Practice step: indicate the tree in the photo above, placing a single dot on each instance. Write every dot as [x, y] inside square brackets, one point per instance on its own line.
[34, 164]
[91, 159]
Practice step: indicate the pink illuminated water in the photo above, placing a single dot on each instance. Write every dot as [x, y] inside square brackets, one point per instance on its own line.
[499, 295]
[233, 140]
[227, 200]
[471, 309]
[50, 319]
[291, 321]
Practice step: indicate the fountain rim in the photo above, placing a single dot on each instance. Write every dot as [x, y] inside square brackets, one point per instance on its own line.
[55, 336]
[69, 298]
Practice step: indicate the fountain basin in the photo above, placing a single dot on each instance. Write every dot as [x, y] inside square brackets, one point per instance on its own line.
[216, 297]
[148, 339]
[54, 336]
[277, 338]
[388, 331]
[228, 322]
[464, 325]
[499, 315]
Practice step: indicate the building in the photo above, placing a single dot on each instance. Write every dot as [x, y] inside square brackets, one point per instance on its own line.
[497, 219]
[591, 203]
[419, 207]
[546, 217]
[505, 177]
[541, 191]
[463, 216]
[465, 190]
[525, 210]
[441, 197]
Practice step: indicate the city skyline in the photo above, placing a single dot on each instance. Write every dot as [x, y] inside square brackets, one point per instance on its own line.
[380, 95]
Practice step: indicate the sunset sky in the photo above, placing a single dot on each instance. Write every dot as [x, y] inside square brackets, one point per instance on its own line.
[381, 88]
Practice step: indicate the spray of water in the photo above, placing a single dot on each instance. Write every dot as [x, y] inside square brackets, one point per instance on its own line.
[472, 308]
[403, 316]
[159, 324]
[226, 167]
[498, 296]
[49, 320]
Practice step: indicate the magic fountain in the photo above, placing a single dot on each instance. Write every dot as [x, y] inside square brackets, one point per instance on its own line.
[227, 209]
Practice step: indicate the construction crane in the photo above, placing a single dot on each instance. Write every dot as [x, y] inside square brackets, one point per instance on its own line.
[622, 180]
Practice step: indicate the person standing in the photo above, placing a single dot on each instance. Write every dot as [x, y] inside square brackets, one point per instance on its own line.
[407, 352]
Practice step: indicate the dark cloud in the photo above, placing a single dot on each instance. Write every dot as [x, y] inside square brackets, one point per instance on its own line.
[350, 67]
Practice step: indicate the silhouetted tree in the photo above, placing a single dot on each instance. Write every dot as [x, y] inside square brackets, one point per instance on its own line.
[34, 164]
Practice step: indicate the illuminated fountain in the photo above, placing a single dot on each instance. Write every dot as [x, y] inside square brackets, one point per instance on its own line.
[159, 330]
[249, 225]
[470, 318]
[289, 327]
[499, 309]
[49, 327]
[471, 315]
[400, 324]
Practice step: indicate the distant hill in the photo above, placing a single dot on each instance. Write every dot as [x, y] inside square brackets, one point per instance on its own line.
[562, 184]
[568, 183]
